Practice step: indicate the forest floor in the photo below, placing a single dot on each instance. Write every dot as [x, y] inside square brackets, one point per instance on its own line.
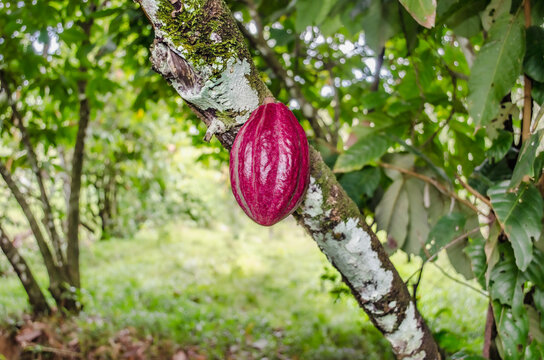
[232, 292]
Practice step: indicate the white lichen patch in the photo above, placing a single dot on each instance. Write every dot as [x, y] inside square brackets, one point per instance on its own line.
[408, 336]
[216, 127]
[230, 92]
[419, 356]
[350, 248]
[215, 37]
[387, 322]
[312, 207]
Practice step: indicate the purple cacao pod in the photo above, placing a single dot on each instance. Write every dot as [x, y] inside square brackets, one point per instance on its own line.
[269, 164]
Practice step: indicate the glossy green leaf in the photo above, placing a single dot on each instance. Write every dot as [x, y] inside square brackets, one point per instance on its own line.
[504, 276]
[493, 11]
[361, 153]
[475, 250]
[461, 16]
[359, 183]
[447, 228]
[525, 166]
[500, 145]
[423, 11]
[533, 63]
[512, 330]
[538, 92]
[520, 213]
[496, 68]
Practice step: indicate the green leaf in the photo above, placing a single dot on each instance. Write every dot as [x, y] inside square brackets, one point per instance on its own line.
[476, 252]
[72, 35]
[512, 330]
[392, 214]
[462, 16]
[504, 277]
[496, 68]
[538, 92]
[538, 297]
[533, 63]
[404, 161]
[445, 230]
[501, 145]
[520, 213]
[361, 153]
[525, 166]
[418, 225]
[359, 183]
[494, 10]
[423, 11]
[378, 24]
[311, 12]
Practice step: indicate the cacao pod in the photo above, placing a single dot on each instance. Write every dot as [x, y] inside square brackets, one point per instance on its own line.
[269, 164]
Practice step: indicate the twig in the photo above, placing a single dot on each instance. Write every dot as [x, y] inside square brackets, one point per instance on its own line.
[416, 285]
[447, 246]
[483, 293]
[473, 191]
[527, 85]
[453, 242]
[337, 109]
[379, 64]
[444, 190]
[61, 352]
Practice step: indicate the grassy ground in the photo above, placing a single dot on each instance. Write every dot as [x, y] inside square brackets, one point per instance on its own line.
[242, 291]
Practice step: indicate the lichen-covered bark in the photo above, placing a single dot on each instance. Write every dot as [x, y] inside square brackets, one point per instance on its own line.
[200, 51]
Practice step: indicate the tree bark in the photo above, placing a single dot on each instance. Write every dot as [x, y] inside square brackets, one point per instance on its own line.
[199, 50]
[72, 247]
[56, 278]
[35, 295]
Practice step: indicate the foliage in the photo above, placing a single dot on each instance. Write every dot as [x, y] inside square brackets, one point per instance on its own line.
[429, 120]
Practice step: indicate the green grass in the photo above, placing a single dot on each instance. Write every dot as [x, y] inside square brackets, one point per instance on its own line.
[245, 289]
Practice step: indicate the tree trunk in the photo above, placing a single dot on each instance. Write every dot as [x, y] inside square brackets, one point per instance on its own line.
[200, 51]
[72, 248]
[54, 270]
[35, 295]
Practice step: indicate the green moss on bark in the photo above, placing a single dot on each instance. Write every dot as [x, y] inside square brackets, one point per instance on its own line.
[203, 31]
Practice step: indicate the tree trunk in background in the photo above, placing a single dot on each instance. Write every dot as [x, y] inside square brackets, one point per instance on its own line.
[35, 295]
[200, 51]
[72, 248]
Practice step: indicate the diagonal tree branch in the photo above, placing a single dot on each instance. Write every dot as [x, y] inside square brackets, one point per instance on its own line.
[33, 159]
[53, 270]
[200, 52]
[35, 295]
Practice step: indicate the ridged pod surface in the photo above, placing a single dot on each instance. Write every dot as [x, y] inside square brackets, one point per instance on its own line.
[269, 164]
